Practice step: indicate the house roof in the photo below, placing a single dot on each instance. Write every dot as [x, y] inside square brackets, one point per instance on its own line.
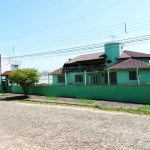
[124, 55]
[128, 54]
[58, 71]
[86, 57]
[6, 73]
[130, 64]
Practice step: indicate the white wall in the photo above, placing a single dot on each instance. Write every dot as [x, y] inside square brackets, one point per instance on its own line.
[5, 63]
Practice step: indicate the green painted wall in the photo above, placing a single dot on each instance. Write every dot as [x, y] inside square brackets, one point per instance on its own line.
[134, 94]
[122, 77]
[144, 76]
[112, 51]
[145, 60]
[1, 89]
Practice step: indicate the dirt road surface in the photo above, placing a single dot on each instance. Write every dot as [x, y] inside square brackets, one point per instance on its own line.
[44, 127]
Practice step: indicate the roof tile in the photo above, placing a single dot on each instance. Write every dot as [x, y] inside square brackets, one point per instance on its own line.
[137, 54]
[130, 64]
[87, 57]
[6, 73]
[58, 71]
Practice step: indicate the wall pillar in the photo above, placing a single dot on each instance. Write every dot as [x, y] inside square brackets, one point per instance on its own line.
[108, 77]
[65, 79]
[85, 77]
[89, 80]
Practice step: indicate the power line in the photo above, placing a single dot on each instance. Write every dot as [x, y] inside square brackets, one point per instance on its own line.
[86, 39]
[84, 35]
[84, 48]
[67, 21]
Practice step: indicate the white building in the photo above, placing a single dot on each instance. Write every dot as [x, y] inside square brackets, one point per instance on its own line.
[6, 64]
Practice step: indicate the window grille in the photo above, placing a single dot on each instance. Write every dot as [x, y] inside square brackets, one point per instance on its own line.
[132, 75]
[61, 79]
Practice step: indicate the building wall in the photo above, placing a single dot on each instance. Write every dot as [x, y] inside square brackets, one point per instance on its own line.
[122, 77]
[145, 60]
[112, 51]
[5, 63]
[144, 76]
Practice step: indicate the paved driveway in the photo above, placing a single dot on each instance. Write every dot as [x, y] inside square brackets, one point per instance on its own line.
[40, 127]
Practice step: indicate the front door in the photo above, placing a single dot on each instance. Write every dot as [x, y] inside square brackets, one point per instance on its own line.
[95, 78]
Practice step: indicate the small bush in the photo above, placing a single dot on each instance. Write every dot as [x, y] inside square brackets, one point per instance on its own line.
[87, 101]
[51, 98]
[5, 94]
[98, 106]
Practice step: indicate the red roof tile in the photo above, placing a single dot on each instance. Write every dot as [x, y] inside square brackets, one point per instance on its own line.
[6, 73]
[127, 54]
[58, 71]
[124, 55]
[87, 57]
[130, 64]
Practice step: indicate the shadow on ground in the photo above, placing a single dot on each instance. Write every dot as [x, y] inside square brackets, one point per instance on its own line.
[11, 98]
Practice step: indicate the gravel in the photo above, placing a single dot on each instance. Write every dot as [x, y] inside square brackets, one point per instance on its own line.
[44, 127]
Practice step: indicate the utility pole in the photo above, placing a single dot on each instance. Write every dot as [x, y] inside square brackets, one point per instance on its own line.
[13, 48]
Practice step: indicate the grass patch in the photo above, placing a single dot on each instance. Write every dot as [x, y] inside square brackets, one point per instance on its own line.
[87, 101]
[145, 109]
[51, 98]
[5, 94]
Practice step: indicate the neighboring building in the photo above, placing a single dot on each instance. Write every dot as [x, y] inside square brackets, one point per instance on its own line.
[6, 64]
[45, 78]
[113, 66]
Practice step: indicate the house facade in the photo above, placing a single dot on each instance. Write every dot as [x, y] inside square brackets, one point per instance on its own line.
[113, 66]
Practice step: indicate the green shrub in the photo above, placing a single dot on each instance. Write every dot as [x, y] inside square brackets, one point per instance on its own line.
[87, 101]
[51, 98]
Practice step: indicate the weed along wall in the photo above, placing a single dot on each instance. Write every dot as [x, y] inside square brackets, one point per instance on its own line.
[134, 94]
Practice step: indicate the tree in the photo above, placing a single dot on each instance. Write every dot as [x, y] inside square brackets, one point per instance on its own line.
[25, 78]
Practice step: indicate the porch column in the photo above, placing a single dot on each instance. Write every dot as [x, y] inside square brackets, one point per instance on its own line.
[85, 77]
[137, 75]
[108, 77]
[48, 79]
[89, 80]
[65, 79]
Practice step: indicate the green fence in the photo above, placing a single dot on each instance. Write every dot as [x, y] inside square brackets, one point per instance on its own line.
[134, 94]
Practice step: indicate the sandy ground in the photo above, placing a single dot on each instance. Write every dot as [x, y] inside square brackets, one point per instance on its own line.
[40, 127]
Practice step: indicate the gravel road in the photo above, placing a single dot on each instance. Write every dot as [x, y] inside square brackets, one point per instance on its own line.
[43, 127]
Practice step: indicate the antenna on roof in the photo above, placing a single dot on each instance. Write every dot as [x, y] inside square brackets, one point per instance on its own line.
[113, 37]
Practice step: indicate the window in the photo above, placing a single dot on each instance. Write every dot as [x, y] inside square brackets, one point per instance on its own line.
[78, 78]
[132, 75]
[108, 61]
[61, 79]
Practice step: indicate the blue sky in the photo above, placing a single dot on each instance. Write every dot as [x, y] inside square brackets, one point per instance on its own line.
[22, 21]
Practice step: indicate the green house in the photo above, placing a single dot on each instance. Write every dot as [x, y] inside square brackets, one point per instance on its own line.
[113, 66]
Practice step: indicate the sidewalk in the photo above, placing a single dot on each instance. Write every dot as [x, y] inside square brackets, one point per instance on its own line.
[71, 101]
